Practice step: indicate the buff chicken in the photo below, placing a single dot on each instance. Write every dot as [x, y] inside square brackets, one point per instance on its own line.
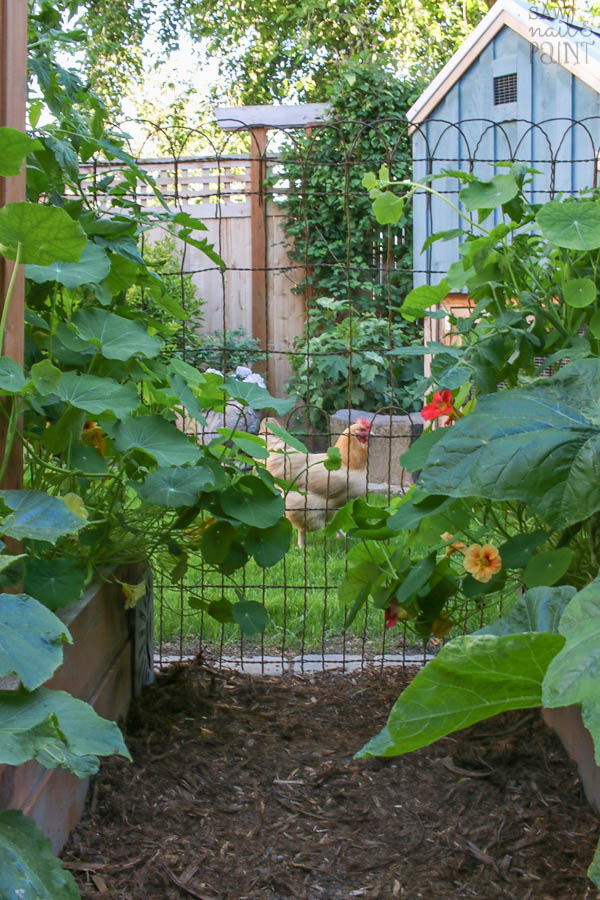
[316, 493]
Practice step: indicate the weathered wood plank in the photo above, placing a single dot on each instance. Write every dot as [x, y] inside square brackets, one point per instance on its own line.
[232, 118]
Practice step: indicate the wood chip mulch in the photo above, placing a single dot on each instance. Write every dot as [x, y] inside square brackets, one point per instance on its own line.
[245, 788]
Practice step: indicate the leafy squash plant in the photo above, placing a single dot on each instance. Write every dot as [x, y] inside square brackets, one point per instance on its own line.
[529, 453]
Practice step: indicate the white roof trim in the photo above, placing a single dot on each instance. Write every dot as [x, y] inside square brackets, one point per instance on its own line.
[231, 118]
[523, 20]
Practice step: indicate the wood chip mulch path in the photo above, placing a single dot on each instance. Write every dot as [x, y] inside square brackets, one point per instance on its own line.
[245, 788]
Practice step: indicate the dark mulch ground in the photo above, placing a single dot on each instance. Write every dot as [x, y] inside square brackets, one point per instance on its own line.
[246, 788]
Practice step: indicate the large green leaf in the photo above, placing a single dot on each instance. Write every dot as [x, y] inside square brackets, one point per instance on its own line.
[472, 678]
[93, 266]
[46, 234]
[573, 677]
[98, 395]
[533, 444]
[30, 640]
[55, 582]
[539, 609]
[416, 457]
[14, 147]
[57, 730]
[115, 336]
[12, 380]
[269, 545]
[159, 438]
[574, 224]
[252, 502]
[176, 486]
[38, 516]
[28, 867]
[489, 194]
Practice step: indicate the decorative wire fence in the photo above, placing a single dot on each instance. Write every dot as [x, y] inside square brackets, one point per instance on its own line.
[309, 300]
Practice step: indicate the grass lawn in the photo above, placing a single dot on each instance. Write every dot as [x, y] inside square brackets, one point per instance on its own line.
[301, 597]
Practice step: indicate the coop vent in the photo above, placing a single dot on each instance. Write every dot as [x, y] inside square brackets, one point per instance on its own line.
[505, 89]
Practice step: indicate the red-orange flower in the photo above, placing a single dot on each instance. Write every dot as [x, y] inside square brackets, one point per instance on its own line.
[391, 615]
[482, 562]
[441, 405]
[93, 436]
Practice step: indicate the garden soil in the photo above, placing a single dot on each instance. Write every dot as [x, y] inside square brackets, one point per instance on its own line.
[245, 788]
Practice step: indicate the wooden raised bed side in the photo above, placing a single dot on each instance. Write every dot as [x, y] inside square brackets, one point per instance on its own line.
[100, 667]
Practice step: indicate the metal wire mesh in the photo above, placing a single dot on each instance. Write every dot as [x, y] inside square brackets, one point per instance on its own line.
[285, 278]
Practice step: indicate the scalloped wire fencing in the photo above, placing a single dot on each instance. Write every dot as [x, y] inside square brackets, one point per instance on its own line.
[309, 299]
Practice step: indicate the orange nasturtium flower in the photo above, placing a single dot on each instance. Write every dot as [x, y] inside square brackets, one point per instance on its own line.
[93, 436]
[455, 546]
[482, 562]
[441, 405]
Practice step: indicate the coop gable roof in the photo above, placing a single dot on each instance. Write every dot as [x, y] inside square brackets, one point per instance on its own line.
[550, 35]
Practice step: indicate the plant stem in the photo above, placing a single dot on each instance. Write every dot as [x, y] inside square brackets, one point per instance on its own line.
[8, 298]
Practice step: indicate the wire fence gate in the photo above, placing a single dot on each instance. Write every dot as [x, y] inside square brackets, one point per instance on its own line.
[309, 302]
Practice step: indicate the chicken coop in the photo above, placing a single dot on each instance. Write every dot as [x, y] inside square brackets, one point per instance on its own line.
[525, 87]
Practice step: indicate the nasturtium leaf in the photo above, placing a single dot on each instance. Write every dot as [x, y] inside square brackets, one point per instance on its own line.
[123, 273]
[46, 234]
[252, 502]
[30, 639]
[54, 582]
[38, 516]
[548, 567]
[215, 541]
[501, 451]
[580, 292]
[388, 208]
[573, 224]
[57, 730]
[87, 460]
[12, 379]
[91, 268]
[176, 486]
[518, 550]
[98, 395]
[269, 545]
[538, 609]
[472, 678]
[221, 611]
[251, 616]
[489, 194]
[157, 437]
[258, 397]
[65, 430]
[46, 377]
[28, 867]
[14, 147]
[115, 336]
[573, 676]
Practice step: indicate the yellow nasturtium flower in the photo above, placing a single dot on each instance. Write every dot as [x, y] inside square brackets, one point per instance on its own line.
[76, 505]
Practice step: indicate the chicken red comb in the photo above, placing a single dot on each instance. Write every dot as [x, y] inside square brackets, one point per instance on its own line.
[364, 423]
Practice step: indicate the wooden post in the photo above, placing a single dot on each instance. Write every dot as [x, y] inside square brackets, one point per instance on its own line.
[258, 227]
[13, 96]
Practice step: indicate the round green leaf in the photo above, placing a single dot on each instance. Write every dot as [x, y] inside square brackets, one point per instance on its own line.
[98, 395]
[30, 639]
[518, 550]
[28, 867]
[46, 234]
[595, 324]
[12, 380]
[54, 582]
[175, 486]
[579, 292]
[269, 545]
[489, 194]
[252, 502]
[88, 460]
[159, 438]
[221, 611]
[574, 225]
[251, 616]
[115, 336]
[215, 542]
[92, 267]
[547, 568]
[38, 516]
[46, 377]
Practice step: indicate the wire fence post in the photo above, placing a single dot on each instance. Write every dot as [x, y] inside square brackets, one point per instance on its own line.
[258, 232]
